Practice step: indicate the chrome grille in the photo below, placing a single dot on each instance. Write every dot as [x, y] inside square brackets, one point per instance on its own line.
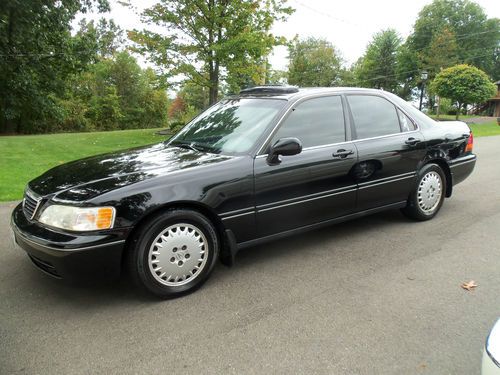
[30, 204]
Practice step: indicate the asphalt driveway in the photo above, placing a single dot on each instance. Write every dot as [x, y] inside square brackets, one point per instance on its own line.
[379, 295]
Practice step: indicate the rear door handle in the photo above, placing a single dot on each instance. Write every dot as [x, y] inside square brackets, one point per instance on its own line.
[341, 153]
[412, 141]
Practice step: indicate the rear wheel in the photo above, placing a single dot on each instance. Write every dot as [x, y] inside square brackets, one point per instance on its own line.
[428, 196]
[173, 253]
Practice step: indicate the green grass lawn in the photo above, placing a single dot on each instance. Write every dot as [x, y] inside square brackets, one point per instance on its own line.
[23, 158]
[486, 129]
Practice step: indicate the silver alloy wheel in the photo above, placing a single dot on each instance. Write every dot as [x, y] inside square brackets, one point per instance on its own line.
[429, 192]
[178, 254]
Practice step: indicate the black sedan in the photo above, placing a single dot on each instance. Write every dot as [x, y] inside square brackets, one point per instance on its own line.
[267, 163]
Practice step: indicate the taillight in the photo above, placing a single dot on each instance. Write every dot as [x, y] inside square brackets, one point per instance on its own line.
[470, 143]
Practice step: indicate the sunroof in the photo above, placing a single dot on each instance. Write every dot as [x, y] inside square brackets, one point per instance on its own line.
[270, 89]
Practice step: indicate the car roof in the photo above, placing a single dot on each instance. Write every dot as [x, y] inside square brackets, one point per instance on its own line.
[284, 93]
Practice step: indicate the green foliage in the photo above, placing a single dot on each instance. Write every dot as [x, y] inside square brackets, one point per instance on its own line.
[200, 39]
[276, 76]
[477, 37]
[194, 96]
[378, 66]
[313, 62]
[441, 53]
[114, 94]
[406, 71]
[38, 53]
[463, 84]
[106, 37]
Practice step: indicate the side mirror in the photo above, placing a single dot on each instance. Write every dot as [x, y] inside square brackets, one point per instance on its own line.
[285, 147]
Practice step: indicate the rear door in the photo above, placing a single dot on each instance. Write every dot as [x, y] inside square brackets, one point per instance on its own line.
[389, 147]
[314, 185]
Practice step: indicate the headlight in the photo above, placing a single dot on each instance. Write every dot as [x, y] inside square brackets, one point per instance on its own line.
[78, 218]
[493, 344]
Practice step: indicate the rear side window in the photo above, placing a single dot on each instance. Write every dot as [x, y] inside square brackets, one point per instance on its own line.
[406, 124]
[373, 116]
[315, 122]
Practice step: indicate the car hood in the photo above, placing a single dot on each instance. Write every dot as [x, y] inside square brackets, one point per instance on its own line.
[86, 178]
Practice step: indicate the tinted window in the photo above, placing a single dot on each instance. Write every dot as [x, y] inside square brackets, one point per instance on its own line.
[373, 116]
[315, 122]
[406, 124]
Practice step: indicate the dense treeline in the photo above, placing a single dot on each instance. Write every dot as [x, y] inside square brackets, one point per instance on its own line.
[53, 78]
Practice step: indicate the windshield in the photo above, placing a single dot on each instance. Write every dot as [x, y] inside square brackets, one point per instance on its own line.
[230, 126]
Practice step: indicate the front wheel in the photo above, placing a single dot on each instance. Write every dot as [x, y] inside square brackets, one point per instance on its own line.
[428, 196]
[173, 253]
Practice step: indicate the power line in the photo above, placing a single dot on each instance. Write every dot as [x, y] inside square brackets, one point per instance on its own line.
[326, 14]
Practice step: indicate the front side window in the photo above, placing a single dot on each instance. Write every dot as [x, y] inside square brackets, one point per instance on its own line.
[315, 122]
[230, 126]
[373, 116]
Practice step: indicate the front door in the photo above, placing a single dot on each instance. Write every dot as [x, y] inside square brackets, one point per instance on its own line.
[314, 185]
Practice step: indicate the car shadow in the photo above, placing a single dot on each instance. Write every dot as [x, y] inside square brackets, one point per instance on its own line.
[302, 241]
[122, 291]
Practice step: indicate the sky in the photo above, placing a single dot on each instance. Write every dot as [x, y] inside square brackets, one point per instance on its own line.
[348, 24]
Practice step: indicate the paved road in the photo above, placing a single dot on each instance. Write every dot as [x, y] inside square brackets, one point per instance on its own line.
[379, 295]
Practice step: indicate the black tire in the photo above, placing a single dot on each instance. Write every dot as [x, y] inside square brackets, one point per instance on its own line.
[414, 208]
[140, 252]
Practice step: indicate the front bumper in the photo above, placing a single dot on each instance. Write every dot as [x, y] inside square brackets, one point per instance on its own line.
[68, 255]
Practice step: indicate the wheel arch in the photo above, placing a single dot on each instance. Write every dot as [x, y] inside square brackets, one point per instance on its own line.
[191, 205]
[447, 172]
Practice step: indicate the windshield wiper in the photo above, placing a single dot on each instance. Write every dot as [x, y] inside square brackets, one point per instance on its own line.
[186, 145]
[194, 146]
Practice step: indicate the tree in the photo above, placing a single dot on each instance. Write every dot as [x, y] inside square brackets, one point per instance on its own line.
[407, 71]
[107, 36]
[463, 84]
[378, 66]
[114, 94]
[195, 96]
[477, 37]
[441, 53]
[313, 62]
[38, 53]
[205, 40]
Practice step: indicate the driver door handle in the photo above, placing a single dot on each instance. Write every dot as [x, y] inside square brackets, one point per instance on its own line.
[341, 153]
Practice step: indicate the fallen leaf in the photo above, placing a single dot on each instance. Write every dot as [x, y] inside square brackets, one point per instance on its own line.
[469, 286]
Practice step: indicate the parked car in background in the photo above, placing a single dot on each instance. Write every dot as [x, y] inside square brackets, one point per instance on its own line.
[269, 162]
[491, 355]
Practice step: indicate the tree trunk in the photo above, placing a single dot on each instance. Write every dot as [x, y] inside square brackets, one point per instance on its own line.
[438, 110]
[458, 111]
[214, 83]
